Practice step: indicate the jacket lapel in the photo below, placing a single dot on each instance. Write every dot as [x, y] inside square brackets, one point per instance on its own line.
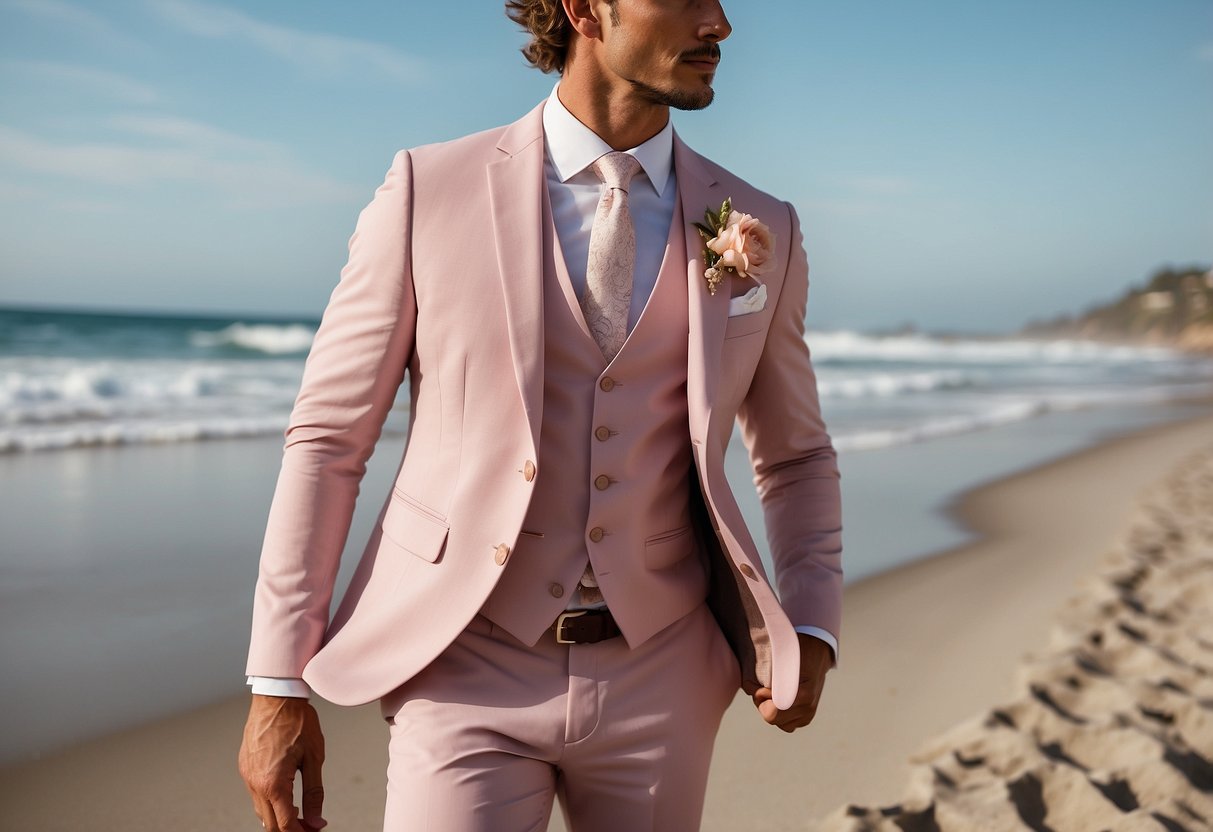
[516, 186]
[699, 190]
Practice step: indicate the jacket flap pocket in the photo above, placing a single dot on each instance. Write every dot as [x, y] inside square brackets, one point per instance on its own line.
[419, 534]
[668, 548]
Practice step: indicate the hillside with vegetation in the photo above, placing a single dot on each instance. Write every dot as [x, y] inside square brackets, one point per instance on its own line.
[1173, 308]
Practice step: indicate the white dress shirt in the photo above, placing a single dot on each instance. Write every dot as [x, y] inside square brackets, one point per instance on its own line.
[574, 191]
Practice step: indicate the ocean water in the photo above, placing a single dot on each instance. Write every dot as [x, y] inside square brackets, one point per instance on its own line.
[74, 379]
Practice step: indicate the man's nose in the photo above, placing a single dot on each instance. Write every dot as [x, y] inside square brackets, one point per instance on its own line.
[715, 26]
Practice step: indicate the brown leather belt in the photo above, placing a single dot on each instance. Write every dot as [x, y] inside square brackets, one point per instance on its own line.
[585, 627]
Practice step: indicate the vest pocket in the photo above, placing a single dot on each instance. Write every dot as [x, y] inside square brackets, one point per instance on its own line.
[413, 529]
[668, 548]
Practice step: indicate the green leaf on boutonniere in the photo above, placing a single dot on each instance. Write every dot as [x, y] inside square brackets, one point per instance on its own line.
[707, 233]
[725, 210]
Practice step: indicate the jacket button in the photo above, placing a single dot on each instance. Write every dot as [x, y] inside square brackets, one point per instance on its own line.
[747, 570]
[607, 384]
[557, 590]
[602, 482]
[602, 434]
[502, 554]
[596, 534]
[528, 471]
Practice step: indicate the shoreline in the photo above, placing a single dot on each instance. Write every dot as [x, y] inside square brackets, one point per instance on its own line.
[924, 646]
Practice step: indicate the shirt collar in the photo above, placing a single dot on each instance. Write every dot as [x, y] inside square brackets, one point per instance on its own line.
[573, 147]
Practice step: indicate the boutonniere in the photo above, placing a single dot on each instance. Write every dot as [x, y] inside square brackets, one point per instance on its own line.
[735, 243]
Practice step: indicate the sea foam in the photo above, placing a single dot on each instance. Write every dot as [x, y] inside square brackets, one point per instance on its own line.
[274, 339]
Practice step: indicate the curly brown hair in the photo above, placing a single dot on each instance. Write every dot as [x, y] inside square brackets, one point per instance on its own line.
[550, 31]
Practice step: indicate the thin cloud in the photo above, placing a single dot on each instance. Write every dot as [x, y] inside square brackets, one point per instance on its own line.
[87, 78]
[333, 54]
[1205, 53]
[257, 180]
[77, 17]
[193, 134]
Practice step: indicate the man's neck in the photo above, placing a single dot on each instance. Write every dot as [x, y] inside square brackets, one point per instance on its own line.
[620, 117]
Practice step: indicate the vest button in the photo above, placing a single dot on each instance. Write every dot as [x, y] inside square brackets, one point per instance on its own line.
[501, 554]
[528, 471]
[596, 534]
[557, 590]
[602, 434]
[602, 482]
[747, 570]
[607, 384]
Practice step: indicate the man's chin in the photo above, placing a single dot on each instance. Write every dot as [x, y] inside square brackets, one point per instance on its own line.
[679, 99]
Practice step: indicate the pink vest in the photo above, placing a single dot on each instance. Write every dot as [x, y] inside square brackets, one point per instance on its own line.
[611, 482]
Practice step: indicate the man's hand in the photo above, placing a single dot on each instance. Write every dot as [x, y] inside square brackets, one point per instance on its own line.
[283, 736]
[815, 660]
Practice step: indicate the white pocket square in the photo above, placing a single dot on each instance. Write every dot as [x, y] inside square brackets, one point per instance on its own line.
[752, 301]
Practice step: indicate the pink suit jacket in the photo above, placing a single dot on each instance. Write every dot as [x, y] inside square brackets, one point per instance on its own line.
[443, 280]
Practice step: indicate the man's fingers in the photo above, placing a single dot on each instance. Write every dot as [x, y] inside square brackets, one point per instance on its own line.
[766, 708]
[803, 709]
[265, 812]
[286, 815]
[313, 794]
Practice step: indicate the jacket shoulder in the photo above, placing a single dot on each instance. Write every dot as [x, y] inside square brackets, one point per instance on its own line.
[744, 194]
[459, 151]
[750, 199]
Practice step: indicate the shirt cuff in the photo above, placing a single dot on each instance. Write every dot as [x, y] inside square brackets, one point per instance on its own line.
[276, 686]
[824, 635]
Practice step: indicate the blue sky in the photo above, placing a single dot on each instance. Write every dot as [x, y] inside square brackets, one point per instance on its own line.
[956, 165]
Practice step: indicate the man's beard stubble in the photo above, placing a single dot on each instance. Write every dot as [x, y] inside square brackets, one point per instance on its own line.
[678, 99]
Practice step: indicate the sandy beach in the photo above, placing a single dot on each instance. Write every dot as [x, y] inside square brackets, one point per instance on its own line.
[925, 647]
[1112, 724]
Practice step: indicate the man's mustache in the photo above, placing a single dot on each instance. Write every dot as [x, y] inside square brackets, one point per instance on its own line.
[710, 51]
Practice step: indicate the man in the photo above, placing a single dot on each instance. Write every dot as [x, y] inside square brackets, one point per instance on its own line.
[537, 610]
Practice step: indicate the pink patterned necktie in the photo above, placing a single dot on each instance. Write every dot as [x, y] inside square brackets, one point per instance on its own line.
[608, 275]
[608, 285]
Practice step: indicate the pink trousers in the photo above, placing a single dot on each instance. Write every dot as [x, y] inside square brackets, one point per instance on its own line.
[485, 737]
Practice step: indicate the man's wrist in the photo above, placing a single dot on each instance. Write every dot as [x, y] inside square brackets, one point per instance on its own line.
[279, 686]
[824, 635]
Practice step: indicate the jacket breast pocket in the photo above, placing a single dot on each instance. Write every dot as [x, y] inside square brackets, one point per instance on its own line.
[668, 548]
[739, 325]
[414, 528]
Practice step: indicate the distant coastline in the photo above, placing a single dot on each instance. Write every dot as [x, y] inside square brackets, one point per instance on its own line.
[1173, 308]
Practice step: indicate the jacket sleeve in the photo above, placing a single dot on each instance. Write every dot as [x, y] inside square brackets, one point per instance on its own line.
[350, 379]
[795, 466]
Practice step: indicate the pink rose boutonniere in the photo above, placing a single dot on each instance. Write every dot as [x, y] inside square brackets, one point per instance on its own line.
[736, 243]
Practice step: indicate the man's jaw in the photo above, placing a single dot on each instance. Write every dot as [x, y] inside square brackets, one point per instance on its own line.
[676, 98]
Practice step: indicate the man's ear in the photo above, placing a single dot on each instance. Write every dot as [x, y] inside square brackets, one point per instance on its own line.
[583, 19]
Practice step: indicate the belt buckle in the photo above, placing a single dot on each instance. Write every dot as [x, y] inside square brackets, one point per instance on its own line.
[560, 619]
